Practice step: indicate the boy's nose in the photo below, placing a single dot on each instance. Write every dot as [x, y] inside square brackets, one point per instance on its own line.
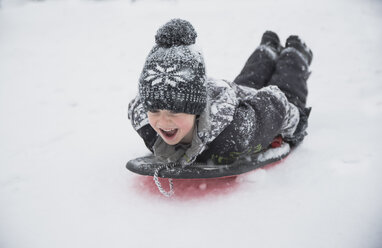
[165, 118]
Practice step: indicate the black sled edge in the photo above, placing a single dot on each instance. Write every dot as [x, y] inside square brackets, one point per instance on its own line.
[147, 165]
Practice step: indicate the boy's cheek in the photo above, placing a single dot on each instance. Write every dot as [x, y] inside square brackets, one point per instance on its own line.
[151, 121]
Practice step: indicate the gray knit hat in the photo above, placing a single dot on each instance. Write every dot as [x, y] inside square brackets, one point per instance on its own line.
[173, 77]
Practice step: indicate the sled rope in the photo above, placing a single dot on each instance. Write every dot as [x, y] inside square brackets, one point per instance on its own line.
[159, 185]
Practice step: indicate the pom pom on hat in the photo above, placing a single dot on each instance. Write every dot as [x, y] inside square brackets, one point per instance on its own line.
[176, 32]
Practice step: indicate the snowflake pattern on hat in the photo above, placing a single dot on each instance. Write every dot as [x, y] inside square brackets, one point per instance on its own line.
[170, 75]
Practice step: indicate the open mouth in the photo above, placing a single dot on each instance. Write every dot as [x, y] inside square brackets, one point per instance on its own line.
[169, 133]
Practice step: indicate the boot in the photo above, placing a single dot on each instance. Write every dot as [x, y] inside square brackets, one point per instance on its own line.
[271, 40]
[295, 42]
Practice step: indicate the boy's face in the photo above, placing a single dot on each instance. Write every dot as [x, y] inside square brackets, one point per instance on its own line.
[172, 127]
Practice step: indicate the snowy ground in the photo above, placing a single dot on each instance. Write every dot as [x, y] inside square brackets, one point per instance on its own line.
[68, 70]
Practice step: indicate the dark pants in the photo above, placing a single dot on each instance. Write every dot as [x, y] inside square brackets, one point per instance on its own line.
[289, 72]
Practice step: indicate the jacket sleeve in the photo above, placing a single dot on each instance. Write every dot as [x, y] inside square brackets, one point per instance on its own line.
[257, 121]
[140, 122]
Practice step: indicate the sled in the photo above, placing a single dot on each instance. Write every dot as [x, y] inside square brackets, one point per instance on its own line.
[150, 166]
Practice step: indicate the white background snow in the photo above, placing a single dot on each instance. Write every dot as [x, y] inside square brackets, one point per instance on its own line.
[68, 70]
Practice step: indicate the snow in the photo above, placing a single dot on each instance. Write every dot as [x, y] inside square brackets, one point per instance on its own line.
[68, 70]
[270, 51]
[274, 153]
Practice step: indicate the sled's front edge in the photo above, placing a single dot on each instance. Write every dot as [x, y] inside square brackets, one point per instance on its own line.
[147, 166]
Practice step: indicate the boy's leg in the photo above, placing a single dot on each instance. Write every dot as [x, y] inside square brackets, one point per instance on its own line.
[291, 75]
[260, 66]
[292, 71]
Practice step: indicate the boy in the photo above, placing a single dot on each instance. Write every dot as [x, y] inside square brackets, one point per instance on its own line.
[184, 117]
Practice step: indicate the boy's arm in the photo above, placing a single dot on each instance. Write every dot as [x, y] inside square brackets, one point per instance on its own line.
[292, 115]
[140, 122]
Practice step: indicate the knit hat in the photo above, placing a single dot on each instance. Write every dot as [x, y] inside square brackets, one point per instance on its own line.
[173, 77]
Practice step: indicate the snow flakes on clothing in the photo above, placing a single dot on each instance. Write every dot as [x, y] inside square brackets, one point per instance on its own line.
[294, 50]
[221, 105]
[137, 113]
[292, 116]
[271, 53]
